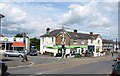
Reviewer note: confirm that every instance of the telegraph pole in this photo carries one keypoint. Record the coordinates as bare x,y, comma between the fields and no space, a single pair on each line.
116,45
1,16
63,43
24,41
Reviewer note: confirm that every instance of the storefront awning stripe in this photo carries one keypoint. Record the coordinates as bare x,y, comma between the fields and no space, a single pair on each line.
18,44
67,47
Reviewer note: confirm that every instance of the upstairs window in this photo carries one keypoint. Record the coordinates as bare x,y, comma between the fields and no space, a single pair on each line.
52,39
43,39
98,41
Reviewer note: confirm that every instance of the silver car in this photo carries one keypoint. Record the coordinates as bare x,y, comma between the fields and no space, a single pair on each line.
13,53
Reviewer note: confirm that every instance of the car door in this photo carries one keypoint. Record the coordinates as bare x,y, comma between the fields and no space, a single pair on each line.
16,53
10,53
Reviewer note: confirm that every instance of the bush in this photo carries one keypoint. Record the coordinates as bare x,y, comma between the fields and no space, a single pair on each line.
49,53
97,50
77,55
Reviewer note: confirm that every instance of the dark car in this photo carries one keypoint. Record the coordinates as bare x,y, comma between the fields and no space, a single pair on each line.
33,53
116,69
3,68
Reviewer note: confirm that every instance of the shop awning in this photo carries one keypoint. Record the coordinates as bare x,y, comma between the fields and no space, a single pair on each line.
18,44
67,47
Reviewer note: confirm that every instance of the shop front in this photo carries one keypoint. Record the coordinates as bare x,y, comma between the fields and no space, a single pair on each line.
13,43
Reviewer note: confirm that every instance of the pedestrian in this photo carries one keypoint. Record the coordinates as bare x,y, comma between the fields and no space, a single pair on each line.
112,54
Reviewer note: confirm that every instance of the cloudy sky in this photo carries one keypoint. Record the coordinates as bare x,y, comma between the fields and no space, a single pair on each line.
34,17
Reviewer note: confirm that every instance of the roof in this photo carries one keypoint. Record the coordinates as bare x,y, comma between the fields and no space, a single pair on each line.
18,44
82,35
108,41
52,33
71,34
1,35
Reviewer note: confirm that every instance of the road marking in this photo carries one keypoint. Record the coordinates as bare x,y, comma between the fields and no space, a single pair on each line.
38,73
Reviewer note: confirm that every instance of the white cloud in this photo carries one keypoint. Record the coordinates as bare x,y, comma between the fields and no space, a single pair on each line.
17,14
99,21
76,14
17,19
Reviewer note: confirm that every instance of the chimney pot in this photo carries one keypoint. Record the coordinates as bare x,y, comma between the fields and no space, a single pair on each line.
75,31
47,30
91,33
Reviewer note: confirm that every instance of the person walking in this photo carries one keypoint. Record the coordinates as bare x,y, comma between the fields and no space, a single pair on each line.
112,54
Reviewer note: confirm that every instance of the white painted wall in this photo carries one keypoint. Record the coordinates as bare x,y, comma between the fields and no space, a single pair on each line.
18,39
48,41
96,44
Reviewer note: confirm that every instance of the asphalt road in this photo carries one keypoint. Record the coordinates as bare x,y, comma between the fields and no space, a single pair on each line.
100,67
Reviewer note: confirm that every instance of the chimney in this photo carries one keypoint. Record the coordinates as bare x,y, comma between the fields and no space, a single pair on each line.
48,31
91,33
75,31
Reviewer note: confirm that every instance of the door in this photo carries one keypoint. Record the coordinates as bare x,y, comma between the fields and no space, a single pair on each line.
91,48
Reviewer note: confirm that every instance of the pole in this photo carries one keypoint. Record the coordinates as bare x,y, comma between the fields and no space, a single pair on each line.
24,41
1,16
1,35
116,44
63,43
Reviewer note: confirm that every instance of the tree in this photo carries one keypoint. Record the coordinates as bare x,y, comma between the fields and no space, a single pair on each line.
19,35
35,42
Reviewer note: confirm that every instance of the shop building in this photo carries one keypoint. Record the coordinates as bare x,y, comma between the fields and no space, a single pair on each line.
14,43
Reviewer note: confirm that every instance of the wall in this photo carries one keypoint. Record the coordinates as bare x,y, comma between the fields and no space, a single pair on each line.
18,39
59,39
46,41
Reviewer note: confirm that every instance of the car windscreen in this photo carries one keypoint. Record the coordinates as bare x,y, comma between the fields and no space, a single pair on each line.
33,51
117,67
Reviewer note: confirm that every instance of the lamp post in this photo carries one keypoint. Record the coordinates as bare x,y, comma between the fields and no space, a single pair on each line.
1,16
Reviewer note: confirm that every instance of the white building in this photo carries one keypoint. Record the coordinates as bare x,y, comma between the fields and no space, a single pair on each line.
14,43
74,42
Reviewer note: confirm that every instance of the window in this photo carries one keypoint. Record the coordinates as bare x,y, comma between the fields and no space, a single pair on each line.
43,39
98,41
74,41
52,39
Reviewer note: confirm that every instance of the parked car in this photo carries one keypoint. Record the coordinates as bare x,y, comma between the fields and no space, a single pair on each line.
33,53
116,69
13,54
3,68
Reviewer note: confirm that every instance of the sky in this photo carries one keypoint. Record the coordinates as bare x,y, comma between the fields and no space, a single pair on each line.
33,17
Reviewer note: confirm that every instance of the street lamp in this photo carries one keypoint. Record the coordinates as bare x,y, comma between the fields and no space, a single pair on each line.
1,16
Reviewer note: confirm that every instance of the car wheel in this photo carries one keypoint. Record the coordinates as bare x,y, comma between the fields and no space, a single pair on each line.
20,55
7,55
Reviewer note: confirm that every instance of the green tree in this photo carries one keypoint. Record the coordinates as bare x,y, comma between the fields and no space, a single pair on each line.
19,35
35,42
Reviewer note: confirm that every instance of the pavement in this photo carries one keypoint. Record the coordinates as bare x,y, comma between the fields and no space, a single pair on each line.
43,60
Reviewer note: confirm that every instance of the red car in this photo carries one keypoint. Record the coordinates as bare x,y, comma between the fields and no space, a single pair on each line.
116,69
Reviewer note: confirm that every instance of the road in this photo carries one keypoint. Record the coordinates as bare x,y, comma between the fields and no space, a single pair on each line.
103,67
73,67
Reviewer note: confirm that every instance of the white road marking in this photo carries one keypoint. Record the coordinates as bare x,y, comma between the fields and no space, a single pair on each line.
38,73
